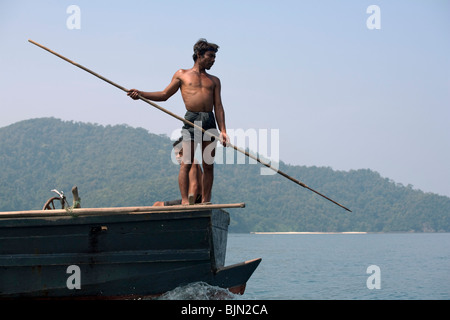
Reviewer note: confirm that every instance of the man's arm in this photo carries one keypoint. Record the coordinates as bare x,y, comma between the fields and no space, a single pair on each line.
220,112
158,95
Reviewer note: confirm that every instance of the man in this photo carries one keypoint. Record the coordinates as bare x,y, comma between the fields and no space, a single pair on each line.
195,179
201,95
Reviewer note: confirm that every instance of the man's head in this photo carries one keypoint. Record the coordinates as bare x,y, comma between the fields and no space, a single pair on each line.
202,46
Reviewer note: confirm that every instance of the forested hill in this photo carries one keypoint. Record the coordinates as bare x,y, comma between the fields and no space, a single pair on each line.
124,166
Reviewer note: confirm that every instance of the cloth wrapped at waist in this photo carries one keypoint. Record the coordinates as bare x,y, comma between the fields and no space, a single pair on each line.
205,120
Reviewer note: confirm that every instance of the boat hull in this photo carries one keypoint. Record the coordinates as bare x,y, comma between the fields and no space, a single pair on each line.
108,255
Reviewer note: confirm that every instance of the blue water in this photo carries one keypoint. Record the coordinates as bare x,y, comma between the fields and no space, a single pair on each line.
334,266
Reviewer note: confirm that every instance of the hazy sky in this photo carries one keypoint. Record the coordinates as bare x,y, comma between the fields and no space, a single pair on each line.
341,95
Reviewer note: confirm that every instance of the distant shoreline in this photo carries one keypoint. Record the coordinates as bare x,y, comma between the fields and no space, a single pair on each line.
294,232
345,232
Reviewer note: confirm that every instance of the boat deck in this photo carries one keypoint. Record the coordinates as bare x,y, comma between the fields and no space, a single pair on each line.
118,210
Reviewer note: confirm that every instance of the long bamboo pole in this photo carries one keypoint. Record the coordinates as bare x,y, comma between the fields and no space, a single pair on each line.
190,123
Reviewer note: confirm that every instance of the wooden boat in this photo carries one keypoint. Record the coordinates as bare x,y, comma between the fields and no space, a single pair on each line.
116,253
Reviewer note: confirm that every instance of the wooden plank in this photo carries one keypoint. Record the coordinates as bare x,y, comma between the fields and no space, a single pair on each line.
117,210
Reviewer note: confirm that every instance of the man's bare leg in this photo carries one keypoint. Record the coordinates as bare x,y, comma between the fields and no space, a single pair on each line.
193,185
185,167
208,154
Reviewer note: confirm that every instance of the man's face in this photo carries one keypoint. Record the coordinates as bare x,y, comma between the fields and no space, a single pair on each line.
178,154
208,59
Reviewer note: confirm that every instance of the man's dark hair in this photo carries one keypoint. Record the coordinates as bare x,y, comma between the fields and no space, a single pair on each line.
177,142
203,46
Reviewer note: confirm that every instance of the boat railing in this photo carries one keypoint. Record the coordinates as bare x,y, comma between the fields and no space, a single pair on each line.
118,210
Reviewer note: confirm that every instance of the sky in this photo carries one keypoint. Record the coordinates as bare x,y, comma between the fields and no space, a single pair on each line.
343,86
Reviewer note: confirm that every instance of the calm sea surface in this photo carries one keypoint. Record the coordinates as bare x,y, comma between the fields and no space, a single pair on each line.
334,266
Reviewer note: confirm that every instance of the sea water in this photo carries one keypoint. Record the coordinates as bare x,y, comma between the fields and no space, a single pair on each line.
385,266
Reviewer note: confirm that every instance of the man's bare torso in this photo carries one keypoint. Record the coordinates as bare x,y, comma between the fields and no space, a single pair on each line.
197,89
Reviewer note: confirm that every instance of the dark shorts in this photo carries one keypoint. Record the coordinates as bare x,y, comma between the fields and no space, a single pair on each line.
178,201
206,120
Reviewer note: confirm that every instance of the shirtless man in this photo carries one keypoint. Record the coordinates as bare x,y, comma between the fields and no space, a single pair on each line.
201,95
